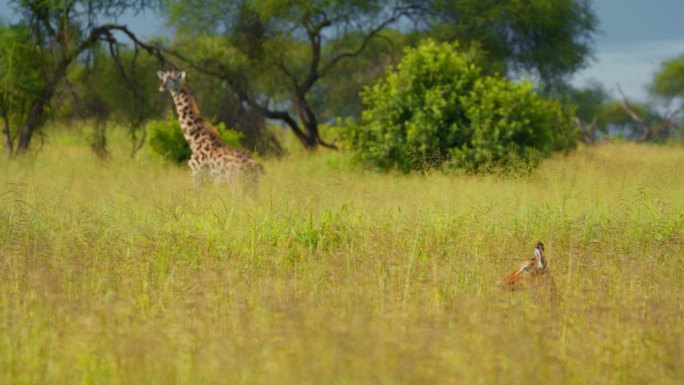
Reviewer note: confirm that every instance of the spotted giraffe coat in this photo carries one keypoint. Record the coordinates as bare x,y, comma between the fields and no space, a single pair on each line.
211,158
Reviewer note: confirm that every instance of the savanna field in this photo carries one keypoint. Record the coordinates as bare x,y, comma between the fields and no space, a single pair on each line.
120,272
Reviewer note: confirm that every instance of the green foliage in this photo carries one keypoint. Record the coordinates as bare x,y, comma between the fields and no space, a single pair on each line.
668,83
338,93
166,139
551,39
290,47
20,78
669,80
589,100
265,43
60,35
129,99
437,109
614,120
601,115
612,114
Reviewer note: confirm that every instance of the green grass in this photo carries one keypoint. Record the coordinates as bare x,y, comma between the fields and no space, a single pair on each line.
119,272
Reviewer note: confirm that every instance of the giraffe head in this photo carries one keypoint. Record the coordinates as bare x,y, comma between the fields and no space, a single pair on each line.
539,255
170,80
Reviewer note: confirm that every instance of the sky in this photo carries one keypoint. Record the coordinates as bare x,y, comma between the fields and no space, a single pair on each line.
635,37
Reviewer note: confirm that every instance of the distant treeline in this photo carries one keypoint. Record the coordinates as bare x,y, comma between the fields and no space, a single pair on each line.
295,63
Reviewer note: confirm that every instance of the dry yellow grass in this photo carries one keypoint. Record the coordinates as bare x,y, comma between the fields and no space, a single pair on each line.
122,273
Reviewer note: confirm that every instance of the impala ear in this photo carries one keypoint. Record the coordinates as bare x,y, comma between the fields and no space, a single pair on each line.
538,249
160,75
539,254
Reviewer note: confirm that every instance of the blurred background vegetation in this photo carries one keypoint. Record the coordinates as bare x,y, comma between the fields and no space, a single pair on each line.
260,67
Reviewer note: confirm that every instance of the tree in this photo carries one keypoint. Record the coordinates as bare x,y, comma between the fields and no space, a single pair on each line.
438,109
20,80
62,31
218,99
299,60
547,38
668,82
273,53
599,115
112,84
647,122
337,95
652,121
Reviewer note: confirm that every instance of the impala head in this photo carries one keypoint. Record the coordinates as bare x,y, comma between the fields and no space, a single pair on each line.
539,254
170,80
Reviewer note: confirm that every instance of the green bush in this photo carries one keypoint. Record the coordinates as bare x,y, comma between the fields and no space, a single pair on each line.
436,109
166,139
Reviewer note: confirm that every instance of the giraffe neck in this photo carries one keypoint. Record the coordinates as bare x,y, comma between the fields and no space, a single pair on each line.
189,118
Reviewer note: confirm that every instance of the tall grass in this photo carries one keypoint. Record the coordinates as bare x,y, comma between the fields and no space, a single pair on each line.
121,273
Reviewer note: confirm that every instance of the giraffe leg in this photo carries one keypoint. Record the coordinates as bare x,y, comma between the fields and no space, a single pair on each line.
199,172
198,179
238,179
251,181
218,175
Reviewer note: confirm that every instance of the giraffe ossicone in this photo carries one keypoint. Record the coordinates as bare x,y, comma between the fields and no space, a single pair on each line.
211,158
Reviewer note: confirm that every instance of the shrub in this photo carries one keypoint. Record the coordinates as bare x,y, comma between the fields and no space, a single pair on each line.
166,139
436,109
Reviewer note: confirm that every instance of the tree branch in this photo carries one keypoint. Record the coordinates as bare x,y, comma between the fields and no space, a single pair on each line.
312,76
244,96
397,13
106,29
587,131
632,114
192,64
288,74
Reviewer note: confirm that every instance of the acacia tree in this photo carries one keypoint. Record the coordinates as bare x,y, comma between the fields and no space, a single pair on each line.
278,55
275,52
600,115
668,82
550,39
62,31
653,120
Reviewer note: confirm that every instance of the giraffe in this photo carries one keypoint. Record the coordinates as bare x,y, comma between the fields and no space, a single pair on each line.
210,158
532,273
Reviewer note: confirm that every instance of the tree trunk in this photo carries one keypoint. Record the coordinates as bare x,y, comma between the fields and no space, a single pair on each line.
624,103
587,132
35,113
99,141
310,123
32,122
8,135
647,132
302,136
